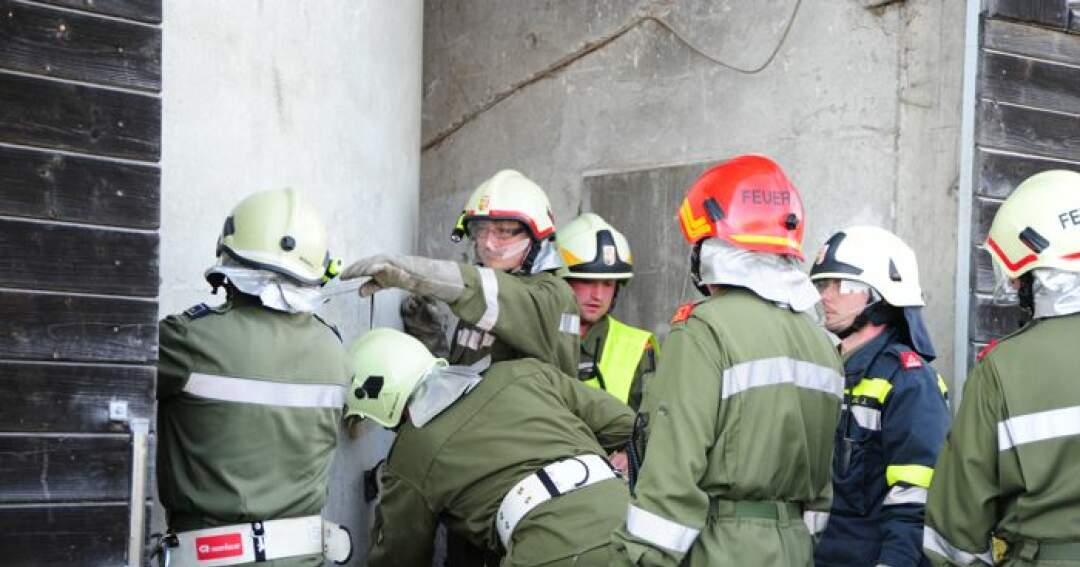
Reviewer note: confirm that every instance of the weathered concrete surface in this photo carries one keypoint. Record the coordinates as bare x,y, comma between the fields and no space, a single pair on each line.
928,157
661,262
860,105
323,97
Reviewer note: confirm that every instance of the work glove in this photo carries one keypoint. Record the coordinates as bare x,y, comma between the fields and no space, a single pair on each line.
423,320
439,279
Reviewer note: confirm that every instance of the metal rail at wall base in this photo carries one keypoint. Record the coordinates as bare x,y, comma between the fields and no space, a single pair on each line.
139,427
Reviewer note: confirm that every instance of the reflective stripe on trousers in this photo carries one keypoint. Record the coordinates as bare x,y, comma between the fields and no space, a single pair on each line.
933,541
660,531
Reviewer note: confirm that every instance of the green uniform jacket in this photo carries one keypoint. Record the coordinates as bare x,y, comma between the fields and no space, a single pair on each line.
743,407
1010,463
522,416
622,378
230,449
511,316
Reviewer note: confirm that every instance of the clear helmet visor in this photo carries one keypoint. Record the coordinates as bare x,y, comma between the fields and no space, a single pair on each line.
1005,288
840,315
489,250
498,240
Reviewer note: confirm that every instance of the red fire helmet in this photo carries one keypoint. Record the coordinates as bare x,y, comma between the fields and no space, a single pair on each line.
748,202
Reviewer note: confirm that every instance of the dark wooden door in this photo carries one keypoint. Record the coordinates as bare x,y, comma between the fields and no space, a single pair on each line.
1027,120
80,142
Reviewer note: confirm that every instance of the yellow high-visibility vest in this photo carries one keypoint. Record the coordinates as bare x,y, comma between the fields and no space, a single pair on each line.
623,348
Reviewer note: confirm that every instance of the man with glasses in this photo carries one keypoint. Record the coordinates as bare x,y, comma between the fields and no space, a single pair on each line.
895,415
510,305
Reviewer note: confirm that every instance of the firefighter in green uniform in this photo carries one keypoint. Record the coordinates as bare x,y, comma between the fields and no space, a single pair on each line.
1009,465
510,305
597,263
511,458
743,406
250,396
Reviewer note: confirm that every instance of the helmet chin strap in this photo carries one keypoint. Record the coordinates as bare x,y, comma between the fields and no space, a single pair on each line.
1026,295
878,313
695,269
615,295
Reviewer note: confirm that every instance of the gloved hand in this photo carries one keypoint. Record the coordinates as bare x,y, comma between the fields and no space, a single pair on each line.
421,318
619,462
433,278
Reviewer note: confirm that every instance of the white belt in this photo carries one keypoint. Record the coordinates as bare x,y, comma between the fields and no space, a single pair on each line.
261,541
555,479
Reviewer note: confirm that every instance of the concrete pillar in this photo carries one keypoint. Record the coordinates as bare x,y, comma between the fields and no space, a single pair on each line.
320,96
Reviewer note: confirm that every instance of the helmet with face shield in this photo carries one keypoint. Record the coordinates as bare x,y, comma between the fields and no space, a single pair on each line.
1034,243
507,217
875,261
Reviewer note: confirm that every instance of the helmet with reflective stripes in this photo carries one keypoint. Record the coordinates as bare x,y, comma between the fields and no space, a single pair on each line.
875,257
748,202
279,231
508,195
387,366
1038,225
592,249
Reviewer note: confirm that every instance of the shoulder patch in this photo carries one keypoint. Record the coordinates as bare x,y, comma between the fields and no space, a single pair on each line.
683,312
910,360
986,349
198,311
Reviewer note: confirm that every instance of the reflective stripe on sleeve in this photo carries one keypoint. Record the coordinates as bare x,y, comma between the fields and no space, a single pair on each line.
659,531
262,392
915,475
877,388
1064,422
570,323
781,370
867,418
905,495
489,284
932,541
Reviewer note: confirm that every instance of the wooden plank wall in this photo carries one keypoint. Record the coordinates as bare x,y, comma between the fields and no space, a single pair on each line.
1027,120
80,144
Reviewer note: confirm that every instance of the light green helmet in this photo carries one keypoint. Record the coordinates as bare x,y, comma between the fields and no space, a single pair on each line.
280,231
592,249
1038,225
387,367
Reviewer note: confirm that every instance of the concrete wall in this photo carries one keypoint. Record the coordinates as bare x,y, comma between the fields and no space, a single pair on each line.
321,96
861,105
